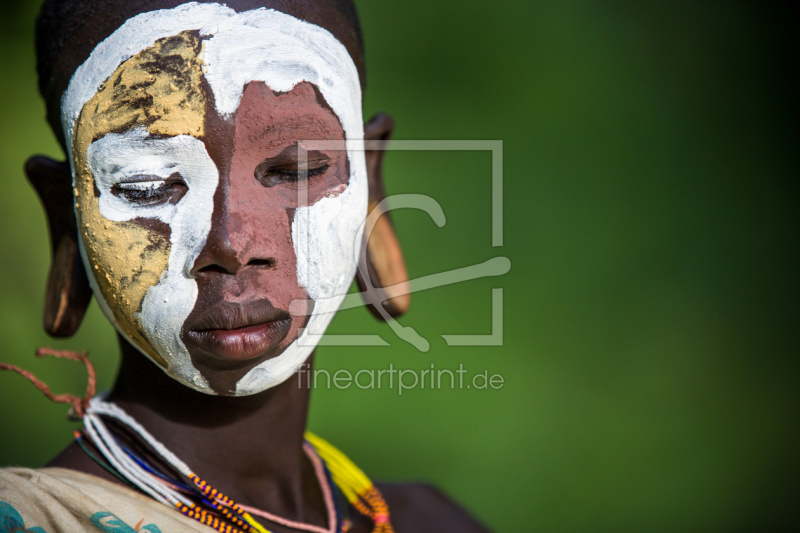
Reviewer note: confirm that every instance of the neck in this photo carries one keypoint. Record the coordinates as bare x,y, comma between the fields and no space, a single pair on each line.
249,447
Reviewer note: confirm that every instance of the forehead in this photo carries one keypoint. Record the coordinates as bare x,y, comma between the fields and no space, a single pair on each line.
159,88
264,116
229,50
162,89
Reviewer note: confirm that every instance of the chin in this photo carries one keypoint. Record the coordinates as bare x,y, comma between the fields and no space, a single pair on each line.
246,378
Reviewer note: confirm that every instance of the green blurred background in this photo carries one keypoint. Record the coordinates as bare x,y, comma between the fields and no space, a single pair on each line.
650,326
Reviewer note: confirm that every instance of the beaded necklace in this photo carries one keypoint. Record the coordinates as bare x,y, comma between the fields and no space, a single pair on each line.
199,500
320,469
216,509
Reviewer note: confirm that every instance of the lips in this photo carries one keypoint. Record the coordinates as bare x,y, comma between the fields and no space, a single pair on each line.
239,332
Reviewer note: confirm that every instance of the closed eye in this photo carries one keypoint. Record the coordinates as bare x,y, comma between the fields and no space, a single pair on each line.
270,175
151,190
284,168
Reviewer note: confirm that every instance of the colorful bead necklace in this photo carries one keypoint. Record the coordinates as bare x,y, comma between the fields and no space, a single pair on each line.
214,508
217,510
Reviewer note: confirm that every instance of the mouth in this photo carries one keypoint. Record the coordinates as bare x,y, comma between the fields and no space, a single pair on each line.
239,332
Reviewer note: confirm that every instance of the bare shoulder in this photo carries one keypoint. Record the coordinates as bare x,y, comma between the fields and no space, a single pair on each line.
421,508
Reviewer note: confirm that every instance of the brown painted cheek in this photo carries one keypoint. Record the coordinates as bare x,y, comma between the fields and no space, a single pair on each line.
260,229
249,255
260,218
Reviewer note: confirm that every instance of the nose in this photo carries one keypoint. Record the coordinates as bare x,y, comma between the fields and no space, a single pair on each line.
242,233
219,256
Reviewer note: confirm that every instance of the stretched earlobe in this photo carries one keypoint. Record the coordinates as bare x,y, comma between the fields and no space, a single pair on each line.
384,266
68,292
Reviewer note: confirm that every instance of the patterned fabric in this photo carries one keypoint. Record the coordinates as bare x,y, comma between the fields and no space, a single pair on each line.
11,521
57,500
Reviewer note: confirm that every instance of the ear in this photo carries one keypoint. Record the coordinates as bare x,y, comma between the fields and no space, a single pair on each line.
385,266
68,293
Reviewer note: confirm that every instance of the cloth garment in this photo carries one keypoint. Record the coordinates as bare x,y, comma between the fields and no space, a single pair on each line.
58,500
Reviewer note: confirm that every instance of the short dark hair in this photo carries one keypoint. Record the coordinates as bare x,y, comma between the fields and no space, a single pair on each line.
65,24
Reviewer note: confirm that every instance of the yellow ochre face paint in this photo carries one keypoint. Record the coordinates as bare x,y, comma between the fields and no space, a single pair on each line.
129,257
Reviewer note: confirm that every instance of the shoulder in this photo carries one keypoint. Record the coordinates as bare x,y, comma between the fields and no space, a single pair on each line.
53,500
33,501
421,508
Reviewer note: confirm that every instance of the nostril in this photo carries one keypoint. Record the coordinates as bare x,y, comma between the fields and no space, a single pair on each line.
214,268
268,263
234,269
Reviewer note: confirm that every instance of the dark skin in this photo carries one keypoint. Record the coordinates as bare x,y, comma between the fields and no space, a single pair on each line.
264,466
250,447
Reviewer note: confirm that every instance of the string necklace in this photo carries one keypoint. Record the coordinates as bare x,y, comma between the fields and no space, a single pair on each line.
199,500
180,487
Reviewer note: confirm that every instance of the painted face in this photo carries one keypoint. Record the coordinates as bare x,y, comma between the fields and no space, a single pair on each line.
197,229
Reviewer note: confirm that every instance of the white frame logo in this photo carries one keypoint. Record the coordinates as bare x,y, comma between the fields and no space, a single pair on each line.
497,266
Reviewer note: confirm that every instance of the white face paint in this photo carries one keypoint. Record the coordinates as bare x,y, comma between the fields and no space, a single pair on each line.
124,161
263,45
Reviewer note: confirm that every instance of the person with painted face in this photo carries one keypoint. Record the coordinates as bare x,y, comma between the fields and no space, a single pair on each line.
213,201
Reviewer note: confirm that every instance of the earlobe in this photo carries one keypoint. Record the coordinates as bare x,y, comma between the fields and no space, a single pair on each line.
384,265
68,293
